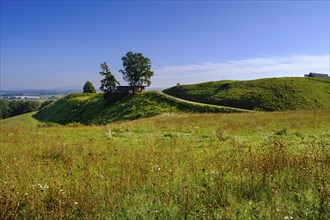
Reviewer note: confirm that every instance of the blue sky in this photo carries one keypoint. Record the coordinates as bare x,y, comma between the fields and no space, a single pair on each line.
52,44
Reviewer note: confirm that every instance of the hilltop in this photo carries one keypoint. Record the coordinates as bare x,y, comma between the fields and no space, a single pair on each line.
88,108
269,94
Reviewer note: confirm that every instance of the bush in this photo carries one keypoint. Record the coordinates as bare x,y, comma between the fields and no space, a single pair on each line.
89,88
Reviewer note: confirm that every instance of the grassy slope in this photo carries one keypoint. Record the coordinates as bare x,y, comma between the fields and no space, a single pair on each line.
24,119
267,94
272,165
93,109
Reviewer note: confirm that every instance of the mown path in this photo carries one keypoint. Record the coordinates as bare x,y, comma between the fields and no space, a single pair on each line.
198,103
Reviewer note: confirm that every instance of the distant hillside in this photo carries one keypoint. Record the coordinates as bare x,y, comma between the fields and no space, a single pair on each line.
269,94
93,109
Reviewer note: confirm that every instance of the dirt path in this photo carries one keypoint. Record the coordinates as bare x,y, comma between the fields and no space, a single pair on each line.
198,103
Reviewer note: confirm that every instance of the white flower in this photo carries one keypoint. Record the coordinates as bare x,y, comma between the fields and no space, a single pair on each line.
76,203
155,168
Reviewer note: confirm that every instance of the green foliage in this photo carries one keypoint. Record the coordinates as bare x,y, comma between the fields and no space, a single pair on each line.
94,109
17,107
263,94
89,88
264,165
46,103
108,84
4,109
136,69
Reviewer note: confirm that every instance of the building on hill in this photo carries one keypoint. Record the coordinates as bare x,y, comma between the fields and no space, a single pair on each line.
319,75
130,89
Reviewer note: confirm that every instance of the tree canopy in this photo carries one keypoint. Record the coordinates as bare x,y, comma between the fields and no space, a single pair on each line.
17,107
136,69
108,84
89,88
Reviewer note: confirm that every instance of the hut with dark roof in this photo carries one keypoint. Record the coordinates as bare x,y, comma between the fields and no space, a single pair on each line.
318,75
130,89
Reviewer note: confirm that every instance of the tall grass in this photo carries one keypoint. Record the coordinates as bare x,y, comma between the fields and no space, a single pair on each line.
189,166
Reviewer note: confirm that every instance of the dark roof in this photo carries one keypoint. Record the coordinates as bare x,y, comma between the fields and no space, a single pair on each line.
129,86
317,75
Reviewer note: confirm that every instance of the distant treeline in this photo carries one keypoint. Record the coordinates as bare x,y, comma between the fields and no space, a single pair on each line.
15,107
32,92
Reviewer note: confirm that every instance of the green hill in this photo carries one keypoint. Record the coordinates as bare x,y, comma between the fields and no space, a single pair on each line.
93,109
269,94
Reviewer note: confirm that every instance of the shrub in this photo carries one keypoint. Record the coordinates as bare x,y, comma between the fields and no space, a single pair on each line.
89,88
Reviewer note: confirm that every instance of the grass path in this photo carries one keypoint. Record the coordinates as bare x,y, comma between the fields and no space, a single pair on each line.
202,104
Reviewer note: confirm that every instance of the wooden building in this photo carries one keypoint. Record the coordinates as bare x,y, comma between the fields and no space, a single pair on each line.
130,89
319,75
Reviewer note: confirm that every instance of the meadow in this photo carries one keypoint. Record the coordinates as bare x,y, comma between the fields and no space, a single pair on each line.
257,165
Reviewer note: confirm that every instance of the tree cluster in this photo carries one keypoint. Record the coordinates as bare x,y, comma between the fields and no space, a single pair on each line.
136,71
17,107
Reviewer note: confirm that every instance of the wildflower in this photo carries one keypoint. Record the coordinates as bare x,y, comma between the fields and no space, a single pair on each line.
155,168
76,203
288,217
214,172
41,187
26,194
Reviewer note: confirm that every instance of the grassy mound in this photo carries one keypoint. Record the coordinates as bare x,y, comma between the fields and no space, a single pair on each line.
269,94
94,109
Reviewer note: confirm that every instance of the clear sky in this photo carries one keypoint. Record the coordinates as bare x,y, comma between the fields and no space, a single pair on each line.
54,44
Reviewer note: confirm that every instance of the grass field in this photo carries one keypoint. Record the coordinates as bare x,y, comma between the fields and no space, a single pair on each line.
173,166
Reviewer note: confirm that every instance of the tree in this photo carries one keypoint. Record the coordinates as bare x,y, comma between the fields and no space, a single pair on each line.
4,109
108,84
89,88
17,107
136,69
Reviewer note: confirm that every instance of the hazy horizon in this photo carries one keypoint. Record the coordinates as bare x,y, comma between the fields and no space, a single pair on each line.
56,44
